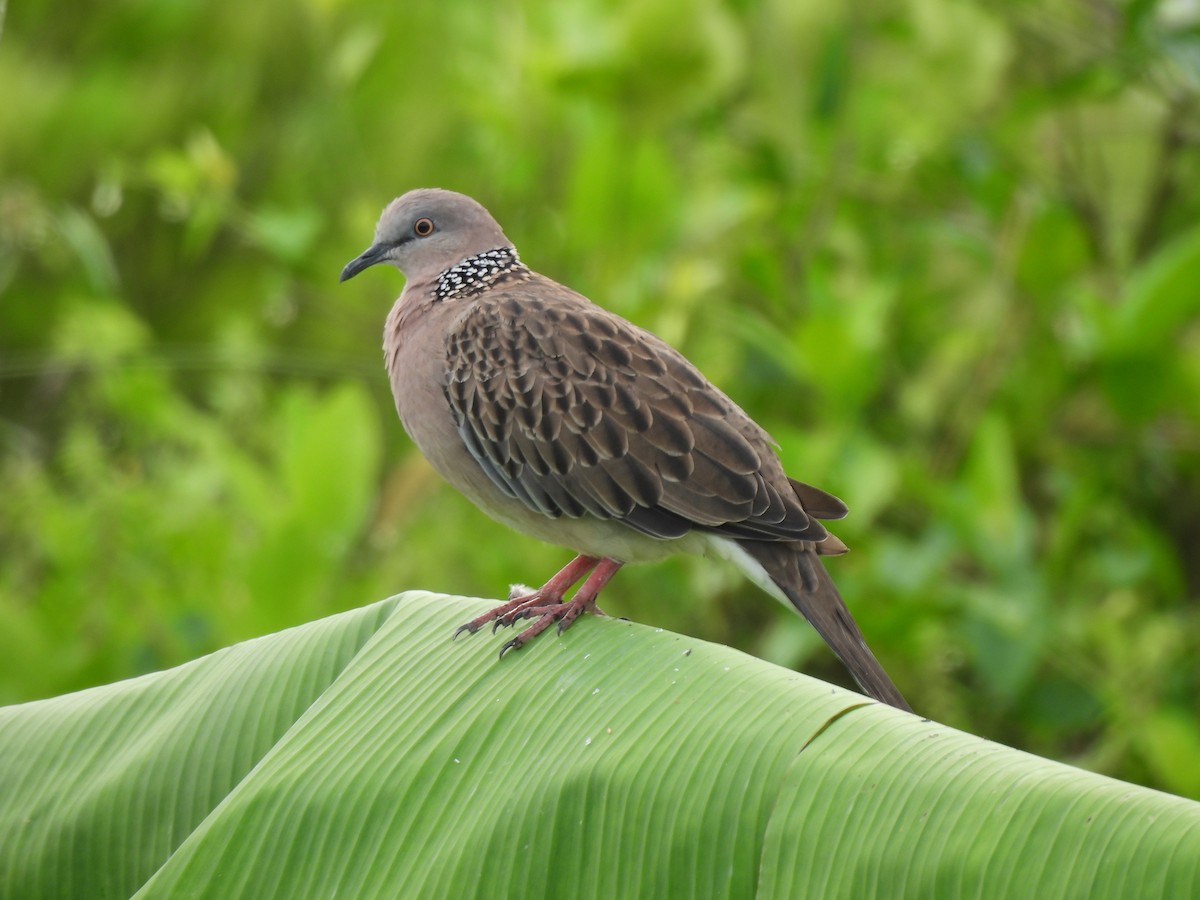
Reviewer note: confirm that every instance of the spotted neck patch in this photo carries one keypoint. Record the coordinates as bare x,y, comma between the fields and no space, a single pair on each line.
477,273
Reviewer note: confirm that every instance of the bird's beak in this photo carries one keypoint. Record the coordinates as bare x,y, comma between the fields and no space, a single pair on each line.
376,253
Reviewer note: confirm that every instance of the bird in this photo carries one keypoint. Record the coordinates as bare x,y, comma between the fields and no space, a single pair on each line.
567,423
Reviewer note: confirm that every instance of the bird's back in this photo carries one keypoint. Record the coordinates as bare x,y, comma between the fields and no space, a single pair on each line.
575,412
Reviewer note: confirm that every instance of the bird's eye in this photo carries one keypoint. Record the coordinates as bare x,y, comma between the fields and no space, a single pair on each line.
423,227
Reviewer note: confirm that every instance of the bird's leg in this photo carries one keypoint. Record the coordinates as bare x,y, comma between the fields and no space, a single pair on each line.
564,613
549,593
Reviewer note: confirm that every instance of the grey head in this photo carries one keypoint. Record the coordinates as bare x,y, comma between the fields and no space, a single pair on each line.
427,231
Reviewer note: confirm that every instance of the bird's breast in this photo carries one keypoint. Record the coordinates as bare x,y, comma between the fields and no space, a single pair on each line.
414,352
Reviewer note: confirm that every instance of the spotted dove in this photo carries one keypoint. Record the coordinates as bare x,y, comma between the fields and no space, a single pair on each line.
564,421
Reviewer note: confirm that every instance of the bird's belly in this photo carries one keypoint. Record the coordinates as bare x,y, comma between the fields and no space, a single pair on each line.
594,536
588,535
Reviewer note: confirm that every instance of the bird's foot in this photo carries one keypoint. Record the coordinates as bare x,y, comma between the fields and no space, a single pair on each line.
545,605
549,594
501,615
562,613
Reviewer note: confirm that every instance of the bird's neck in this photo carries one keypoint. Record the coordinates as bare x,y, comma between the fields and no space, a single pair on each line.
477,273
416,306
414,301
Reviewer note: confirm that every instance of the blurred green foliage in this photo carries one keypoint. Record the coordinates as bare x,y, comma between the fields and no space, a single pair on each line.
948,253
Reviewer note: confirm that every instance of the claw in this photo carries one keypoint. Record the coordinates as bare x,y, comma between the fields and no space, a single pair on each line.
546,605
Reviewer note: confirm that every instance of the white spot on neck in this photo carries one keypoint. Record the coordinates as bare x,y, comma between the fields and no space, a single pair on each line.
477,273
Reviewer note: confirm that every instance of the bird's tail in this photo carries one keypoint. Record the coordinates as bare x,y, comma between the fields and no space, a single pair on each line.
797,571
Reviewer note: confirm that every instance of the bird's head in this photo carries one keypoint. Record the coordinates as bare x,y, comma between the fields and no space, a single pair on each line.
427,231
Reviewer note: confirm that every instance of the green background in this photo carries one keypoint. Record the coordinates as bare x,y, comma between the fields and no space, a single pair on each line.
947,253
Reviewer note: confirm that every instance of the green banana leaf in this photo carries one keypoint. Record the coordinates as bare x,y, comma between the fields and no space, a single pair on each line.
368,755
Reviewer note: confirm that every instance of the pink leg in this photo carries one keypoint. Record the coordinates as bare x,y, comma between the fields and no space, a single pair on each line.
563,613
550,593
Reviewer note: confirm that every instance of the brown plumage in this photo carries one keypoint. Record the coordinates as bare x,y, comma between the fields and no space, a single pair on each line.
568,423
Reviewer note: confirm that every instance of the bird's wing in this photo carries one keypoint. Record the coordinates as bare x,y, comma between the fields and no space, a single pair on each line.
574,411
